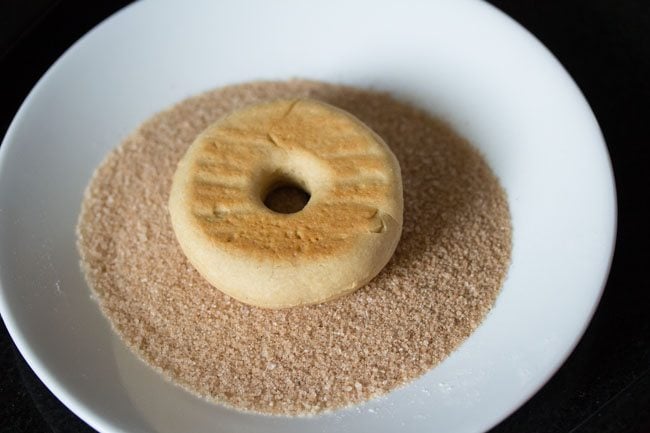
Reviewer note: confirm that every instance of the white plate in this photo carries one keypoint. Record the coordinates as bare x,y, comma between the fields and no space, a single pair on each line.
462,60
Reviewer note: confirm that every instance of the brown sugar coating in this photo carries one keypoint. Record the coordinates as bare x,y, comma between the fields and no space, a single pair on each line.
441,282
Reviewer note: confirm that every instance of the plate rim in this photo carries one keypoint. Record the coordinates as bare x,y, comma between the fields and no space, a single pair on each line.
98,422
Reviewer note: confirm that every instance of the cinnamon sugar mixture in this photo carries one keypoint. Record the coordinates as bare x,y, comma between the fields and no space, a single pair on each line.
443,279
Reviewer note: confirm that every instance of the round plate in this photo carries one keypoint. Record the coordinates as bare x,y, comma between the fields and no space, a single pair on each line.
463,61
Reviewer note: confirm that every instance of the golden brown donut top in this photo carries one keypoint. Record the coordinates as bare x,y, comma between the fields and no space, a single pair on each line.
351,174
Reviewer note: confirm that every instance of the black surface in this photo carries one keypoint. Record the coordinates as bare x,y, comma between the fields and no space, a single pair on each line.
605,45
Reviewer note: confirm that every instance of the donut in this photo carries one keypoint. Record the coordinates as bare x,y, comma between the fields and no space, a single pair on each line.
342,238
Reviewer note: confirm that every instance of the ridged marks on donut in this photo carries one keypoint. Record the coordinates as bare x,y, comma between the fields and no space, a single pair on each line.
219,214
350,218
205,197
348,154
347,209
333,144
323,232
208,170
358,165
235,137
214,181
308,126
220,177
359,191
237,155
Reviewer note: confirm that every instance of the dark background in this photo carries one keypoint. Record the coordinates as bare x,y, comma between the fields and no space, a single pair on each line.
605,45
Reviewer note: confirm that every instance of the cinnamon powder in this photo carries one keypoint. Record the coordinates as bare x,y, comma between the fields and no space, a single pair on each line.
442,280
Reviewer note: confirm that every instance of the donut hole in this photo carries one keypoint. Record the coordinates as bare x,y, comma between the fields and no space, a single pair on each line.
286,196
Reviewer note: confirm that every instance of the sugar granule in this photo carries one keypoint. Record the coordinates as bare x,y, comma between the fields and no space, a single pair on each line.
441,282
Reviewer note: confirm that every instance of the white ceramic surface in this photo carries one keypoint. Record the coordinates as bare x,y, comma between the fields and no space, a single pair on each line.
462,60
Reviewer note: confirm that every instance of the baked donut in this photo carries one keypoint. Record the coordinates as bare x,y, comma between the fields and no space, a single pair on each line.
340,240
